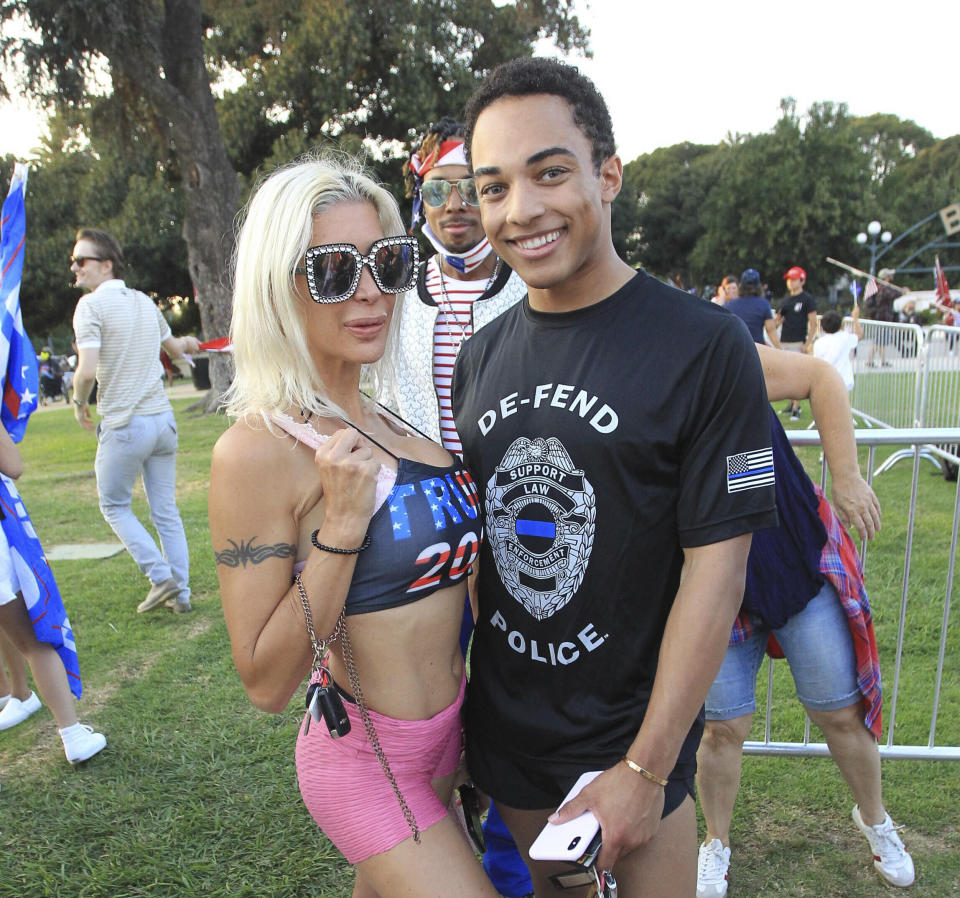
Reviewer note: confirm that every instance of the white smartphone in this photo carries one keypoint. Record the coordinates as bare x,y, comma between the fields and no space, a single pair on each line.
568,841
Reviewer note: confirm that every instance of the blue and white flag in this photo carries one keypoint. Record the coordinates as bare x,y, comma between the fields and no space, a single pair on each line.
36,582
18,361
749,470
855,290
19,384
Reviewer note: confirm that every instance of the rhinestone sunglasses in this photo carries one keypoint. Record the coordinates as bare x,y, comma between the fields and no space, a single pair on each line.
333,270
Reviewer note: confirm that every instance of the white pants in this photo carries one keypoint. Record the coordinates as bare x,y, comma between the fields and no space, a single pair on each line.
147,447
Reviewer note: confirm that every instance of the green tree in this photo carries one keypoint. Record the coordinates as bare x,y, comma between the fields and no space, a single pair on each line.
119,186
790,197
918,188
310,71
889,141
154,54
667,188
379,71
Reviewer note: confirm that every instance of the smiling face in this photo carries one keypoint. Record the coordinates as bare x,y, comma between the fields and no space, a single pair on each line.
456,224
544,207
345,335
94,270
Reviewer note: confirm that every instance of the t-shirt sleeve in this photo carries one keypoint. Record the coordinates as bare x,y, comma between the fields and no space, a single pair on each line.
726,472
86,325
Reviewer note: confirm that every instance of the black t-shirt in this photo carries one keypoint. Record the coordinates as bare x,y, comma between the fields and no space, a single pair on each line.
602,441
795,310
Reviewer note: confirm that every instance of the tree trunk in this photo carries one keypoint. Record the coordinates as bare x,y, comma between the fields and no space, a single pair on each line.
178,87
210,185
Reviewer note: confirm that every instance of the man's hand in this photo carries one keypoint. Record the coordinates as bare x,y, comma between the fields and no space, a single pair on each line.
83,416
856,505
627,806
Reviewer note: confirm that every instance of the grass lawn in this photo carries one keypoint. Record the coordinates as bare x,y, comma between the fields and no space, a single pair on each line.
196,793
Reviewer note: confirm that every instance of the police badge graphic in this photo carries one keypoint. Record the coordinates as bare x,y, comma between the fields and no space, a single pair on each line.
541,514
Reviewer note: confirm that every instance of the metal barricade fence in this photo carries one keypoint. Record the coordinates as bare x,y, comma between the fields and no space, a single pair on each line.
940,393
932,750
888,373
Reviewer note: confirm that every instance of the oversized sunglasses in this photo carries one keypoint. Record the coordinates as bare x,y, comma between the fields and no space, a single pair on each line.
436,191
333,269
80,261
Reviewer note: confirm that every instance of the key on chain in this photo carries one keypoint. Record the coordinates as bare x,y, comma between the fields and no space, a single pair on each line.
323,701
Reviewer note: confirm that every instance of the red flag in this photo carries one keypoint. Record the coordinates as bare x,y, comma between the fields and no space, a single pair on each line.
220,344
943,288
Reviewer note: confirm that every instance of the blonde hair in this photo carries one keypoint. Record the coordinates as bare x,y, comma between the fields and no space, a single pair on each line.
275,370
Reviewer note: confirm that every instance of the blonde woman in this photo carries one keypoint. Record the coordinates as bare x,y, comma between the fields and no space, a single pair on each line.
343,539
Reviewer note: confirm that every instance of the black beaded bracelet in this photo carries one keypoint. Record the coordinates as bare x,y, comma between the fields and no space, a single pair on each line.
337,551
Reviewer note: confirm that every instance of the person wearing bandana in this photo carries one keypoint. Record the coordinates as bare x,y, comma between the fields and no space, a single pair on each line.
460,289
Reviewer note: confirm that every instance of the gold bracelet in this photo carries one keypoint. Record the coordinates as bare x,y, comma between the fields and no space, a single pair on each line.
646,774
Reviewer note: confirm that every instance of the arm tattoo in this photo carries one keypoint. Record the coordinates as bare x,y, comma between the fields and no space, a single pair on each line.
243,552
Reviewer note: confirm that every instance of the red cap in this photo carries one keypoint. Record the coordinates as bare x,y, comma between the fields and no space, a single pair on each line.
795,273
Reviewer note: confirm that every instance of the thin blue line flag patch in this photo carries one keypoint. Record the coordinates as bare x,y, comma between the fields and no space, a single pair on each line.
750,470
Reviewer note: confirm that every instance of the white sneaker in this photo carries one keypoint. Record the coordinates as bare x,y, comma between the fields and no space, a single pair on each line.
4,699
81,742
892,860
713,862
16,711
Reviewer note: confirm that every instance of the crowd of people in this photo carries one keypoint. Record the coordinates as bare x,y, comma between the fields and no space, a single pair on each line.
501,453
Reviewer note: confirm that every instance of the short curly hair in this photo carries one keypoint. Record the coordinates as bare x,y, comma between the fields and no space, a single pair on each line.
436,134
527,76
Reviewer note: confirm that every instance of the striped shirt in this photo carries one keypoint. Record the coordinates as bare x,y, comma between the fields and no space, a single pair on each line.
127,329
454,324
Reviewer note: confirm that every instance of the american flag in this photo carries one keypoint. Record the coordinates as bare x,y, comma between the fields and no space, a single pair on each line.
870,289
20,385
749,470
943,288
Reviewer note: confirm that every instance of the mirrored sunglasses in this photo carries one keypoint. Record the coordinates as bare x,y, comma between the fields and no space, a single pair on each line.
436,191
333,269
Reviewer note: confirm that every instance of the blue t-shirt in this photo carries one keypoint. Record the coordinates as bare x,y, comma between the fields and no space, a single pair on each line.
753,311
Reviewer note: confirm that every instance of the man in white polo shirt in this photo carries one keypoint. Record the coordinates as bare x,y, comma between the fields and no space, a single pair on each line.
119,333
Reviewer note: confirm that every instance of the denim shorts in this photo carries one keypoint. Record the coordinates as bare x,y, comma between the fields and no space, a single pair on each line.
819,649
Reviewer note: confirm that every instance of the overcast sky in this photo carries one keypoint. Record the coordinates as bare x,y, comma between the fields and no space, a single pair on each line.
699,69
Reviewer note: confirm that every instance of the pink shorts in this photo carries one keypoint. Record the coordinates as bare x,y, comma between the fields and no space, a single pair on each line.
347,792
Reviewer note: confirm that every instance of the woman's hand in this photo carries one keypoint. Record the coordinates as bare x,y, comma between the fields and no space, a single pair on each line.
348,473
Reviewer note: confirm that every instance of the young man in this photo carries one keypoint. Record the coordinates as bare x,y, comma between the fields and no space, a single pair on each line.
622,481
797,317
119,333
